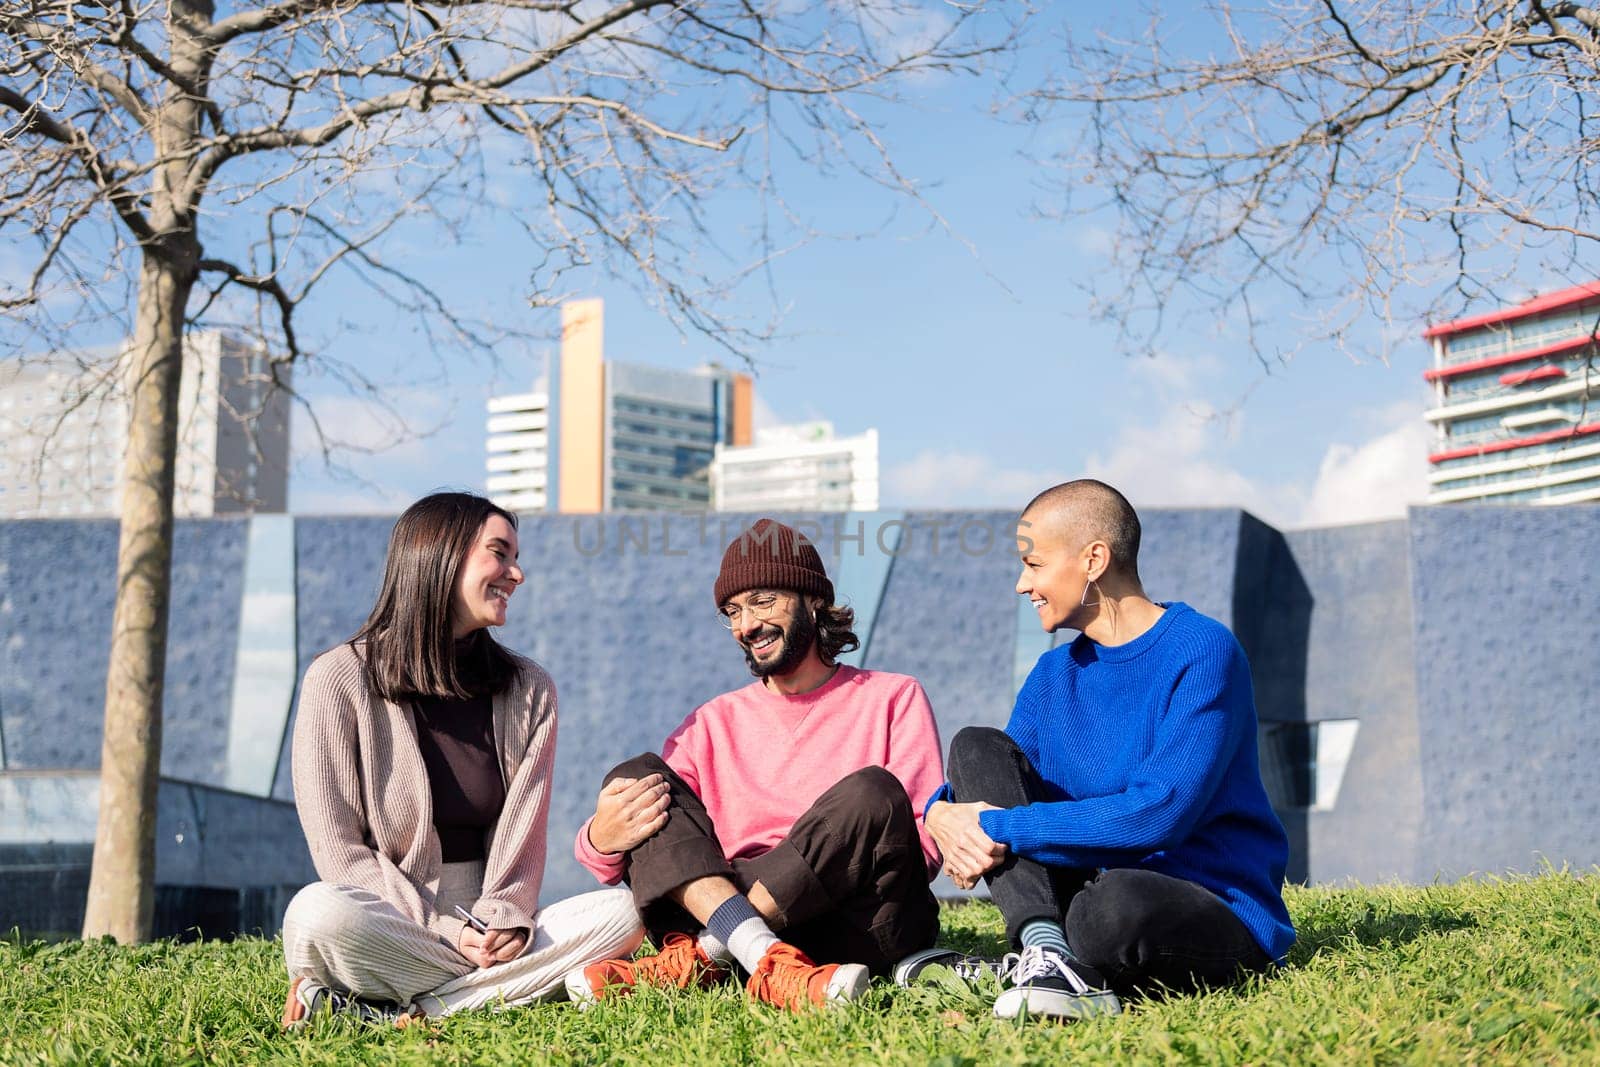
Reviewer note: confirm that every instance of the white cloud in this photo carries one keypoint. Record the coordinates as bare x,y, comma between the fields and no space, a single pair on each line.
1373,480
1180,459
382,460
1092,240
357,500
1173,462
938,478
899,30
398,427
1176,377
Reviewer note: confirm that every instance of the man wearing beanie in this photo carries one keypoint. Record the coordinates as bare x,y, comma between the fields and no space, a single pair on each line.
779,828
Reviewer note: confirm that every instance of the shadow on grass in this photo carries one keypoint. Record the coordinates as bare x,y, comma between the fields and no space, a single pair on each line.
1373,929
974,931
973,927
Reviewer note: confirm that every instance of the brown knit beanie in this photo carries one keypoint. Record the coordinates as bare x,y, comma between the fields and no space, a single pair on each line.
771,555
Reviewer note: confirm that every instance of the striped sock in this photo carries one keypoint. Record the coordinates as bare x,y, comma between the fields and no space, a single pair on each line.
1045,934
737,924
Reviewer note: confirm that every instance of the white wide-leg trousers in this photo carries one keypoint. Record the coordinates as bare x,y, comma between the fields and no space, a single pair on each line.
353,940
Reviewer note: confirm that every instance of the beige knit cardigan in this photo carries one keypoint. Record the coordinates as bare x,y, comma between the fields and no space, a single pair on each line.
361,789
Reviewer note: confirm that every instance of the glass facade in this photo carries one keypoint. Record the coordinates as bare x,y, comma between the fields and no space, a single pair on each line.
1538,375
799,468
1524,430
1533,332
1559,477
662,428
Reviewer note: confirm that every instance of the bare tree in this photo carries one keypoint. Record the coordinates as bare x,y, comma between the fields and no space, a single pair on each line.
1334,162
170,165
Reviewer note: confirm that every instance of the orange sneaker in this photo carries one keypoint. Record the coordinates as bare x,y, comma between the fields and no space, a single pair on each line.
681,963
786,978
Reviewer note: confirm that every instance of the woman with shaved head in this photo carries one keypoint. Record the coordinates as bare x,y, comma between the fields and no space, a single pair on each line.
1119,819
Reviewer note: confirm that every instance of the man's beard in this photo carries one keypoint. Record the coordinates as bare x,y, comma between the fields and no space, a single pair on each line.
792,648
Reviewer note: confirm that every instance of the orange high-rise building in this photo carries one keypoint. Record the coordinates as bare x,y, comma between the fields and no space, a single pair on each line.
636,436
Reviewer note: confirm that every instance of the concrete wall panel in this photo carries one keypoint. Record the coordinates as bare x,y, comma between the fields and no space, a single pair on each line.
208,563
1462,641
949,614
1507,614
1192,555
57,589
339,567
1358,664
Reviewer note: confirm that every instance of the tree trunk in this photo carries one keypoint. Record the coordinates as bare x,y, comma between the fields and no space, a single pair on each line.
122,879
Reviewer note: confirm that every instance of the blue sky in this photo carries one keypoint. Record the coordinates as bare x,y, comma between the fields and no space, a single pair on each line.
971,350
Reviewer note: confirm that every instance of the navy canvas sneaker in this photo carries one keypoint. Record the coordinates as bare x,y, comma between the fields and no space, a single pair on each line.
1045,983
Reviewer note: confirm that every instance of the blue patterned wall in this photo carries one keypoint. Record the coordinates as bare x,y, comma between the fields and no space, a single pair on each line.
1352,648
57,591
1507,611
1462,641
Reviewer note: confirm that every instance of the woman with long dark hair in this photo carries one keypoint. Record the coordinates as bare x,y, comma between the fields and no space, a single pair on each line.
423,756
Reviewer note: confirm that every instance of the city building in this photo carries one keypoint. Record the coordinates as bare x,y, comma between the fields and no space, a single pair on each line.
519,450
797,468
64,428
1515,395
632,436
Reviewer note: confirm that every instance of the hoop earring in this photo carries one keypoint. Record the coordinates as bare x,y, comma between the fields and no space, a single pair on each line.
1083,601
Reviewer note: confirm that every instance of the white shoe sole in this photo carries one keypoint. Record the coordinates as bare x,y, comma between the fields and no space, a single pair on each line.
1055,1004
907,969
579,990
847,983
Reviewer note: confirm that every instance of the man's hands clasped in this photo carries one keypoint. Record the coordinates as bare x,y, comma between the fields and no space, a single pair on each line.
628,812
969,853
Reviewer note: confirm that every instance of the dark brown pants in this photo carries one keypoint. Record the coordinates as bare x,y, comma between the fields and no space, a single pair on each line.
850,880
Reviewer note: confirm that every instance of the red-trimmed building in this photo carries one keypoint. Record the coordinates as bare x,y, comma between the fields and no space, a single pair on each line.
1517,403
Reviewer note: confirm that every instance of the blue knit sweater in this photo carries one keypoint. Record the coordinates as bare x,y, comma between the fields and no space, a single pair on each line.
1150,748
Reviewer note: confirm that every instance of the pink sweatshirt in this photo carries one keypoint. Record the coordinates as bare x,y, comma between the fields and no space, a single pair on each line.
759,759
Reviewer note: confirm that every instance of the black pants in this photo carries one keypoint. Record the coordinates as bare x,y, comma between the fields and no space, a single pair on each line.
1138,928
850,880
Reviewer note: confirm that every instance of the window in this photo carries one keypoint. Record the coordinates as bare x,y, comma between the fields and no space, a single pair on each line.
1303,763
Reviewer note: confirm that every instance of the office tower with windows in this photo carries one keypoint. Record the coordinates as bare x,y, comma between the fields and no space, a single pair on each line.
64,428
798,468
1515,393
519,450
634,436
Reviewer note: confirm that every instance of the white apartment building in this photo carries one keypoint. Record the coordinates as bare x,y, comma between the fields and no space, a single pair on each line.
519,450
797,468
1516,408
64,428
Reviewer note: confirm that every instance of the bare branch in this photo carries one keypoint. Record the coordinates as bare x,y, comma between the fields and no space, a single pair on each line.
1276,149
31,118
92,74
275,15
261,284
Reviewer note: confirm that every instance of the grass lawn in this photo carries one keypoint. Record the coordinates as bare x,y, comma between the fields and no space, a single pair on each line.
1485,972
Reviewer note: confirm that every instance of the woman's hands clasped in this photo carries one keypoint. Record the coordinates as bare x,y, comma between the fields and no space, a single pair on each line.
628,812
492,946
968,852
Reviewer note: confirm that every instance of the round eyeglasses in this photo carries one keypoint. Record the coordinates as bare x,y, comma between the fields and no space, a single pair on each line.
760,606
